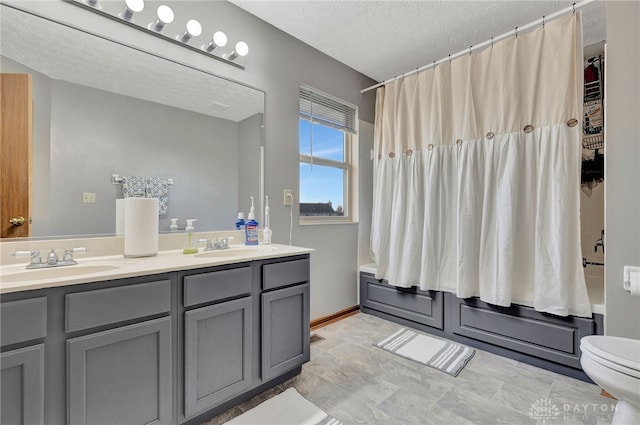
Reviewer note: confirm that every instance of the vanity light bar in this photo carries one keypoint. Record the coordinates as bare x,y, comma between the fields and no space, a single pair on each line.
162,19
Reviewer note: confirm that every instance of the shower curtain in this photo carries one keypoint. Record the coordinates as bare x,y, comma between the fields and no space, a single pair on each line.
477,174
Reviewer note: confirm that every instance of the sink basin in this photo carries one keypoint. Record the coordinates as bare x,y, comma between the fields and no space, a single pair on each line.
237,252
53,273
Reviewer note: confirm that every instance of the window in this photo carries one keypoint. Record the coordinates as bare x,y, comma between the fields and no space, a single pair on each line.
327,125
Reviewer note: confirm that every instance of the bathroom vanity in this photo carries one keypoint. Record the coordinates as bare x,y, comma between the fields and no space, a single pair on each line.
519,332
171,339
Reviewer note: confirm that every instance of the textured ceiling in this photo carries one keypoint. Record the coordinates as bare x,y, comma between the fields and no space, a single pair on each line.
70,55
382,39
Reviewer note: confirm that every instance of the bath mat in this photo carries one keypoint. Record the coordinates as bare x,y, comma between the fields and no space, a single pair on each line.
446,356
287,408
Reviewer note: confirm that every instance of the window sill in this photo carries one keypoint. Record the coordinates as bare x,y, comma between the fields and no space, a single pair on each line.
324,222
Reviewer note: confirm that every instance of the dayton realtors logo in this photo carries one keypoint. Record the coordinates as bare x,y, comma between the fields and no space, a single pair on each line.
543,411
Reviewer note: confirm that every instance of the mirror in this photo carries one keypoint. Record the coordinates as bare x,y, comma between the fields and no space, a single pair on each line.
102,108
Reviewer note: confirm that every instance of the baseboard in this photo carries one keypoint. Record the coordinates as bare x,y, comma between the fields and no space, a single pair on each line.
332,318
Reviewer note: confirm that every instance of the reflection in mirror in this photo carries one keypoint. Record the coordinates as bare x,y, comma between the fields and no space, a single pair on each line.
102,108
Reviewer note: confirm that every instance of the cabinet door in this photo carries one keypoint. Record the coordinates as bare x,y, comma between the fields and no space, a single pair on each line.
121,376
22,386
285,330
217,353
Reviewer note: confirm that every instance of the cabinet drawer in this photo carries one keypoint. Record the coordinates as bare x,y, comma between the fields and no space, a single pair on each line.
286,273
100,307
23,320
213,286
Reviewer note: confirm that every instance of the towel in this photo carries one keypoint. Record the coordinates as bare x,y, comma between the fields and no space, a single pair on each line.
158,187
148,187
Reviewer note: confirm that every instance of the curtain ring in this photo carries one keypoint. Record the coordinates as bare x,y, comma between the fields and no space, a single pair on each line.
528,128
516,30
430,146
470,49
409,152
392,155
492,42
572,122
490,135
459,142
574,8
449,58
542,21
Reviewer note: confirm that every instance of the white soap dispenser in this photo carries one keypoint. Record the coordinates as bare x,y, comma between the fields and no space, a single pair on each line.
174,225
267,232
190,242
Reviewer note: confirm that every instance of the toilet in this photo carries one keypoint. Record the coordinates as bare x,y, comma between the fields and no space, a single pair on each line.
613,363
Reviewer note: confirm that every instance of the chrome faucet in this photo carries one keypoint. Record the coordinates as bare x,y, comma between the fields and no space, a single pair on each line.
52,258
599,242
216,244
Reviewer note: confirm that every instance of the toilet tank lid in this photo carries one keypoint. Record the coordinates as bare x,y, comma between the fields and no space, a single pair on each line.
623,351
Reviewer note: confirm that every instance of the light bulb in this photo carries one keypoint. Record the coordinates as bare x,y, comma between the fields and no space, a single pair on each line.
241,49
219,40
194,29
165,16
131,7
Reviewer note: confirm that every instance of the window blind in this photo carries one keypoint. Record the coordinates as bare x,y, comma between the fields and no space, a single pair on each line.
322,108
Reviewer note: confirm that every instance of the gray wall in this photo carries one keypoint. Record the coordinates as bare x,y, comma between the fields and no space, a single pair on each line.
622,173
277,64
95,134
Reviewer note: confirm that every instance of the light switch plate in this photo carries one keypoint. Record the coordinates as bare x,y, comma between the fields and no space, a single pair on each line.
88,197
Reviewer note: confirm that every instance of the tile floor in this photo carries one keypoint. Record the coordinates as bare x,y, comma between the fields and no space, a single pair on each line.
358,383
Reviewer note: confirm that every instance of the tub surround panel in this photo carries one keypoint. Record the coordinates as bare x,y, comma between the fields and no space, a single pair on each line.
518,332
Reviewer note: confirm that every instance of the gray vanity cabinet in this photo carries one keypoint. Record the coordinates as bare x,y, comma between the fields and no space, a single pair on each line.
285,317
218,342
217,353
22,386
122,374
23,328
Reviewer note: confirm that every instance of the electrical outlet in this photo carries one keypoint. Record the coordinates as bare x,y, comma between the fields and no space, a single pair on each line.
88,197
288,197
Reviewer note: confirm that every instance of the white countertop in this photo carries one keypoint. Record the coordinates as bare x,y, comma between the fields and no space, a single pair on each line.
15,277
595,291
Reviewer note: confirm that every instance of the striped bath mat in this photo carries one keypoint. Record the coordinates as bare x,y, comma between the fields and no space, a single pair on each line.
446,356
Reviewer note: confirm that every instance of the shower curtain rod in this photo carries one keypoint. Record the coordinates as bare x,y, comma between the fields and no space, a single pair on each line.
515,31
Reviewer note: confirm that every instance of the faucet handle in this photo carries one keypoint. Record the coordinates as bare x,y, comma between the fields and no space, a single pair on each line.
34,255
209,246
68,253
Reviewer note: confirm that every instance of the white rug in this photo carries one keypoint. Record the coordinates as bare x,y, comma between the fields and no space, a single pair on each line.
287,408
446,356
